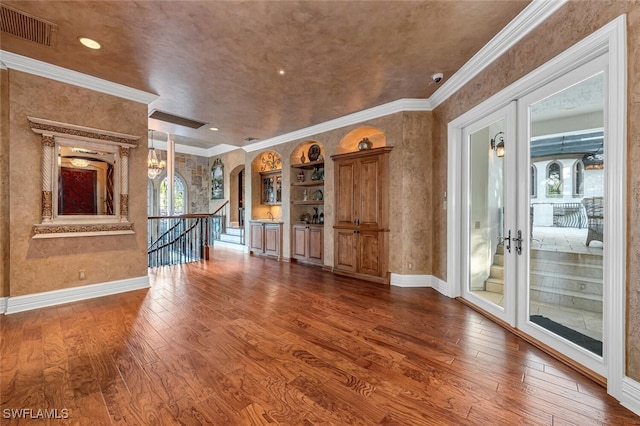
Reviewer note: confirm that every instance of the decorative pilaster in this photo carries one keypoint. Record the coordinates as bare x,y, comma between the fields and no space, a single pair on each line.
124,184
48,146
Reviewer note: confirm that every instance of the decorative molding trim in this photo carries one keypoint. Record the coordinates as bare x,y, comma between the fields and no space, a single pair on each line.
631,394
82,230
532,16
400,105
3,304
48,128
32,66
74,294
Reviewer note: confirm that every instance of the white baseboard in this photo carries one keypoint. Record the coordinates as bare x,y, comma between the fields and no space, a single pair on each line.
3,304
73,294
631,395
436,283
400,280
441,286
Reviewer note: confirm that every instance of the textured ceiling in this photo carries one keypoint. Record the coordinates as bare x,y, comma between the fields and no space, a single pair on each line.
217,61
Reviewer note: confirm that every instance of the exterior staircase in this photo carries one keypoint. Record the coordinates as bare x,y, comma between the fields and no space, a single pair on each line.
566,279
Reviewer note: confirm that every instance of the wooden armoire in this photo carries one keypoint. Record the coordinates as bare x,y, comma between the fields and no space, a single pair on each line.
361,224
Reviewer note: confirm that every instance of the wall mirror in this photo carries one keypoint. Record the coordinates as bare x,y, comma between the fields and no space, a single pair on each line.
86,177
85,180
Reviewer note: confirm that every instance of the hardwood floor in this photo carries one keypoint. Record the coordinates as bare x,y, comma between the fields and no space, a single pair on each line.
243,340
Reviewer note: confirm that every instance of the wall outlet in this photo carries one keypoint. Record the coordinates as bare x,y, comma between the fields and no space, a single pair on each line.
82,275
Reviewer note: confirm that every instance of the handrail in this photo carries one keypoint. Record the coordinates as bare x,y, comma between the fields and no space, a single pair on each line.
183,216
186,231
220,208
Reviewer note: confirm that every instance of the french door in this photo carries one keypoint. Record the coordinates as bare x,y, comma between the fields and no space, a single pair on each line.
489,217
533,214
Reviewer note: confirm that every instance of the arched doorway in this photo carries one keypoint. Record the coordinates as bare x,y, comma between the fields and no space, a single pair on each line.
236,196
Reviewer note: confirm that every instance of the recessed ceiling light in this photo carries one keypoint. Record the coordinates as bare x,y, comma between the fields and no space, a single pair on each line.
215,129
281,71
91,44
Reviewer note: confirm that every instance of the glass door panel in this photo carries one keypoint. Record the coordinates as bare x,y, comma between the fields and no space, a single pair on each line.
489,274
566,205
486,255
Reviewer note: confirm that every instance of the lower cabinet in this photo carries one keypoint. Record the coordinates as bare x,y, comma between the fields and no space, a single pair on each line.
307,243
361,254
266,239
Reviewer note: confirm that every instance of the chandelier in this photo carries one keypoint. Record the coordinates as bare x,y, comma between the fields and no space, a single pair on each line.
154,167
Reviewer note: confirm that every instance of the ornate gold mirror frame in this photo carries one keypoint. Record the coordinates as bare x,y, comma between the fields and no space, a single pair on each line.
52,225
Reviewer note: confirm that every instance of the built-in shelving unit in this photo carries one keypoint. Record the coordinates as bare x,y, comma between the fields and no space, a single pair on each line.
307,203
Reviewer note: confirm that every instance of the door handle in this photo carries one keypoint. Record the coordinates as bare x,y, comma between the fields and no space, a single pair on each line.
507,239
518,242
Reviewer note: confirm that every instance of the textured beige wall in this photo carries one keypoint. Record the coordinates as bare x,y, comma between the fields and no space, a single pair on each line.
4,183
572,23
410,191
50,264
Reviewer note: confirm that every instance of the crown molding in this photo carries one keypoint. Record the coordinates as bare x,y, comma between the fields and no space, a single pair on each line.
532,16
32,66
192,150
357,117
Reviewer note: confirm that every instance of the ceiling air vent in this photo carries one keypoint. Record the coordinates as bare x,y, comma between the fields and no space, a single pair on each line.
28,27
180,121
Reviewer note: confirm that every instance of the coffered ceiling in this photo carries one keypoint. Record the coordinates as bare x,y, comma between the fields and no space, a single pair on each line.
218,62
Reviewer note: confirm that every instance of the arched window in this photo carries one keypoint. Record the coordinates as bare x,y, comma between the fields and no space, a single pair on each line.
150,193
179,196
578,179
534,182
554,180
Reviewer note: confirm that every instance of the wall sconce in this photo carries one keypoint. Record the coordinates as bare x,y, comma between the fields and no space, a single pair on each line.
497,145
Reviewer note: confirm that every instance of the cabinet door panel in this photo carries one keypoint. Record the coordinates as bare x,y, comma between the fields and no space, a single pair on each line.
369,250
345,250
315,244
256,237
369,202
299,242
345,192
271,240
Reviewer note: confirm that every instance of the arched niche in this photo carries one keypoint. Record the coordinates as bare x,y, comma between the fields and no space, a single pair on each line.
303,151
307,183
349,143
266,186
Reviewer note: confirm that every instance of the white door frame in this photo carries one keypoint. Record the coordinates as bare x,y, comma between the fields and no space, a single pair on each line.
610,40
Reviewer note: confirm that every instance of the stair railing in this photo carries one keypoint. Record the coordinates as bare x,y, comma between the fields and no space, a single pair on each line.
177,239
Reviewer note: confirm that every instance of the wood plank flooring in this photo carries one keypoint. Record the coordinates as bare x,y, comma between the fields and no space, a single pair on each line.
240,340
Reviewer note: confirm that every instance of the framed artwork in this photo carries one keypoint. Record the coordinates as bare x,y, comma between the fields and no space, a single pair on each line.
217,180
